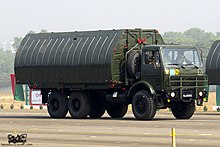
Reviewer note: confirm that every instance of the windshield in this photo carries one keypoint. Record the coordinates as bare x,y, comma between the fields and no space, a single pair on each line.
187,56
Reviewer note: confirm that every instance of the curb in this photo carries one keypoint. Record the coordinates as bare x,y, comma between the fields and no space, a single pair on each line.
22,107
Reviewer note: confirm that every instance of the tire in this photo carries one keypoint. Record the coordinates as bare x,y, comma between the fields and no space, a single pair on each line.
183,110
57,105
97,111
117,111
78,105
133,64
143,106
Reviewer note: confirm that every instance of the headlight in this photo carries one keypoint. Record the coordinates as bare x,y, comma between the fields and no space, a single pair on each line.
200,93
166,71
172,94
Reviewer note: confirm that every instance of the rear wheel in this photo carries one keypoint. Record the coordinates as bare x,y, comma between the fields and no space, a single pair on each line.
78,105
183,110
143,106
57,105
117,111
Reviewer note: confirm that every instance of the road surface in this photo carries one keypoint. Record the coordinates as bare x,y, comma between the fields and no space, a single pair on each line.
202,130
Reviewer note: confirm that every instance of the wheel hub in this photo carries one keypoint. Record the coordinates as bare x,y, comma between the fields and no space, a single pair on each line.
76,105
141,106
55,105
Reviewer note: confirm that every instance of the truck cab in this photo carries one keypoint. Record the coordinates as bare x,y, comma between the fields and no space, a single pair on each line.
174,78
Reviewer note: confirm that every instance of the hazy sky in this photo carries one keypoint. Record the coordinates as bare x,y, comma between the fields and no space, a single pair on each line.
17,17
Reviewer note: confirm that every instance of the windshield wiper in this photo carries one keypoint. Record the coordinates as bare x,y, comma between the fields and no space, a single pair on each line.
192,64
177,65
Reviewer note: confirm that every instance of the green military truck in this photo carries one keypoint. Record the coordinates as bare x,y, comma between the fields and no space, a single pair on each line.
90,72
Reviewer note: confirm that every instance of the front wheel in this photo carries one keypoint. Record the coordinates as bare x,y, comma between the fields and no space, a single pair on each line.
183,110
143,106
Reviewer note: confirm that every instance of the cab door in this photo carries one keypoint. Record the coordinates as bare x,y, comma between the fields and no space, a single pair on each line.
151,68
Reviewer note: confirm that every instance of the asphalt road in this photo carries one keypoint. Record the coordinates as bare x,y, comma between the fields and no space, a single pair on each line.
203,130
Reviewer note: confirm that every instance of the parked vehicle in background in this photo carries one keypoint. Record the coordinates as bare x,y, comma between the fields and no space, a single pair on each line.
213,64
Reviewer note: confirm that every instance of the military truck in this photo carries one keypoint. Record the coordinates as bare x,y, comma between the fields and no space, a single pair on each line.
90,72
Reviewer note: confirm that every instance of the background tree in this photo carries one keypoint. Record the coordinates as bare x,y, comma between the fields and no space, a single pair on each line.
17,41
6,67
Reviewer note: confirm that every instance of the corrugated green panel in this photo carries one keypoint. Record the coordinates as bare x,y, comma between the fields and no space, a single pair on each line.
72,57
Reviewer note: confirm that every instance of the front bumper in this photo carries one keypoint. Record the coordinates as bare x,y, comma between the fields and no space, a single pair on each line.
187,88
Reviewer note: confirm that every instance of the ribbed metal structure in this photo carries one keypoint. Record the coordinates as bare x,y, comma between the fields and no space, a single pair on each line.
213,64
71,57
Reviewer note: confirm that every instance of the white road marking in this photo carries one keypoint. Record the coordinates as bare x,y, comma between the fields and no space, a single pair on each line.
205,134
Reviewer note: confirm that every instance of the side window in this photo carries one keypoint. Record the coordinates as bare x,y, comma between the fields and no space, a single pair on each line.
149,58
152,57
